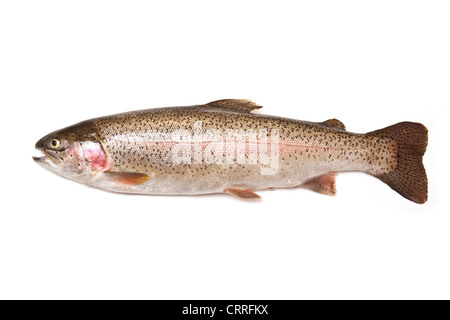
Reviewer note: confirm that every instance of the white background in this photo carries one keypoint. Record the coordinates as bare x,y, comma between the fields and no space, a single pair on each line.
368,63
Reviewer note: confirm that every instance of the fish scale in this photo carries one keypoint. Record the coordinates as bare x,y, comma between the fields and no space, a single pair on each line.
189,150
300,141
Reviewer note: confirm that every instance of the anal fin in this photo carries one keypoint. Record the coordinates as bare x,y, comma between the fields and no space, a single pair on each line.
242,193
325,184
128,178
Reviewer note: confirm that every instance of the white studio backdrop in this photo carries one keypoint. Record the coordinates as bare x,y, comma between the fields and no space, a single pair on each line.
368,63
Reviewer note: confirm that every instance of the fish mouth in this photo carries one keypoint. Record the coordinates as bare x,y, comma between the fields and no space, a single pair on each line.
40,159
48,157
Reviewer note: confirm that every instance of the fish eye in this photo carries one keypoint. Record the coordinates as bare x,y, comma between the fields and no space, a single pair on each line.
55,143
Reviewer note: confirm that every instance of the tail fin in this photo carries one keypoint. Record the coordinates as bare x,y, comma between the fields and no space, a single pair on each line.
409,178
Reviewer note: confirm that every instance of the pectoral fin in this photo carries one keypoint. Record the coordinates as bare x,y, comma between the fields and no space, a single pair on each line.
128,178
242,193
325,184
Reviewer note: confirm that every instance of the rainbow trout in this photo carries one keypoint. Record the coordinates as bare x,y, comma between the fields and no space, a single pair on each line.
222,147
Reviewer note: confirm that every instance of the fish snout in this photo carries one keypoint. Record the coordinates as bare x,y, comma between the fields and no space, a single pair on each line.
46,156
40,146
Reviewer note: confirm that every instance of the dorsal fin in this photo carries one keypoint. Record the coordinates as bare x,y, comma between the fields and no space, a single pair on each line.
237,105
334,123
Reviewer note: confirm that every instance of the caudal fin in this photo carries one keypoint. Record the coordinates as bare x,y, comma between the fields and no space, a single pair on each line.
409,178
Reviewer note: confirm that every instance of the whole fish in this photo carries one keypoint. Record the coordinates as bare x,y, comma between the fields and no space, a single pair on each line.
222,147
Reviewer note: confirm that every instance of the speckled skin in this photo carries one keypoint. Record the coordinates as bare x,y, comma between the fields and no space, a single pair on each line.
142,142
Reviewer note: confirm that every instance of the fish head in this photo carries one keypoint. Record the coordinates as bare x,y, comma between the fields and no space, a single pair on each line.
74,152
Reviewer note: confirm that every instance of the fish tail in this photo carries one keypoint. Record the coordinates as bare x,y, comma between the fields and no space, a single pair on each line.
409,177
